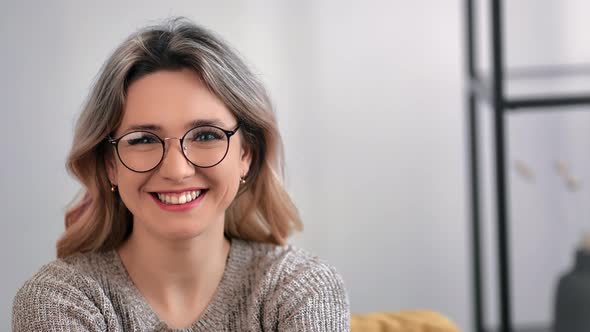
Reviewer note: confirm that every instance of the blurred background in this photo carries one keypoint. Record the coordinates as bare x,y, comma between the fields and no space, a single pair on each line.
370,98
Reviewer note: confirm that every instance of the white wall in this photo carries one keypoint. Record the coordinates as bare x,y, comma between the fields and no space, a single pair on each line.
389,163
369,102
369,96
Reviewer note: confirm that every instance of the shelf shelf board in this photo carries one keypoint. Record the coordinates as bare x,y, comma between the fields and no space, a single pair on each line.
530,88
523,103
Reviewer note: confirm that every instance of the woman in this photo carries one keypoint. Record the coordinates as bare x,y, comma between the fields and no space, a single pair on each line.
184,218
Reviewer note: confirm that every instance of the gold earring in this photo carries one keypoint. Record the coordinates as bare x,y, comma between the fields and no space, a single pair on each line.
113,188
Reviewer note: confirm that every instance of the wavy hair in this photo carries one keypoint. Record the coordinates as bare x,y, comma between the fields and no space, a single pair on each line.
97,220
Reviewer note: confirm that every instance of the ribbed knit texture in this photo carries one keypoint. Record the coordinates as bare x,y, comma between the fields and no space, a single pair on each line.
264,288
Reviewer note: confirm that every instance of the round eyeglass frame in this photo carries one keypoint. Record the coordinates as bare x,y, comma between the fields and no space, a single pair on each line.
228,134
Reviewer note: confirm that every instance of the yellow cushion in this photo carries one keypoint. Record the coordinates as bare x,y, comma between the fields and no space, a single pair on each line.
402,321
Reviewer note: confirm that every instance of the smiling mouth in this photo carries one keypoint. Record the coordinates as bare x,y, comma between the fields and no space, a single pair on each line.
179,198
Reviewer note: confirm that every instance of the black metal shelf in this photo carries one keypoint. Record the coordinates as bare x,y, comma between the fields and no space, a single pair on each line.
533,99
525,103
497,91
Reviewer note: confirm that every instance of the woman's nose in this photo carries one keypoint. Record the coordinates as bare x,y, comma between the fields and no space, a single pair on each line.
175,166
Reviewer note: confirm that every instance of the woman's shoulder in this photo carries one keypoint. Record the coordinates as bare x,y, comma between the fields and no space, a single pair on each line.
285,257
76,276
297,290
288,266
61,288
73,269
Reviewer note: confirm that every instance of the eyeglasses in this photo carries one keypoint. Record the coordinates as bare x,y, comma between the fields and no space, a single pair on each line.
203,146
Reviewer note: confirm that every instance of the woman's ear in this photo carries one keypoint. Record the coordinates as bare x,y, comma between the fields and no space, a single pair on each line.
111,168
245,159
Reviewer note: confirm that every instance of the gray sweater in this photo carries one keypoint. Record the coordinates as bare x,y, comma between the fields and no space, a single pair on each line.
263,288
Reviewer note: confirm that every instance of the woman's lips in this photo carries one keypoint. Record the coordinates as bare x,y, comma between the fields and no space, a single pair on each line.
179,198
178,191
181,201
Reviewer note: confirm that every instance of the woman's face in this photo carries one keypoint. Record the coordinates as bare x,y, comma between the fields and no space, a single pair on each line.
169,103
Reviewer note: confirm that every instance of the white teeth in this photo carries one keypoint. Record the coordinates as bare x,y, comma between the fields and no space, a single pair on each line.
183,198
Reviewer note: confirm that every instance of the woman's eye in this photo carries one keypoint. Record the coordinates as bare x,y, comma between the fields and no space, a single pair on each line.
206,136
142,140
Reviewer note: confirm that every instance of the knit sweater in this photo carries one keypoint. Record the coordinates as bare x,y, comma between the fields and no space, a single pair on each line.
264,288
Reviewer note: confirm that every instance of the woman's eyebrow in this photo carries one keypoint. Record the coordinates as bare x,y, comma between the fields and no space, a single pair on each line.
146,126
192,124
205,122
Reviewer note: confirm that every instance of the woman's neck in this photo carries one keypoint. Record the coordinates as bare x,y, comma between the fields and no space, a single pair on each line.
178,275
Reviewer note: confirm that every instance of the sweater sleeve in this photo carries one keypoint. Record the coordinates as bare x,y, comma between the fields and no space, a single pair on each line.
52,303
314,299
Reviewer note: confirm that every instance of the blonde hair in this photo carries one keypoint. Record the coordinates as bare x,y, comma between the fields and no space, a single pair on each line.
262,211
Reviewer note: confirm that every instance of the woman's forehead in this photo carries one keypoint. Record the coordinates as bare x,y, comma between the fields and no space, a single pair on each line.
172,100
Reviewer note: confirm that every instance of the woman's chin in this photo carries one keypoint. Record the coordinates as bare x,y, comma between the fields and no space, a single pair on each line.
183,232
